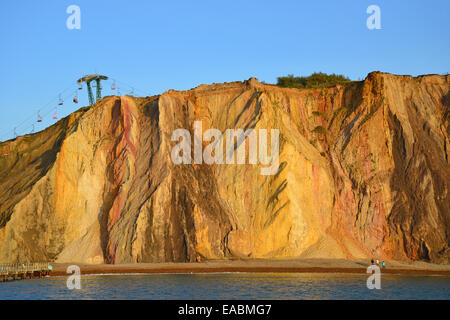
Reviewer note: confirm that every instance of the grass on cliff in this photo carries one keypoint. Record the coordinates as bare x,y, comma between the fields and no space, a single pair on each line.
316,80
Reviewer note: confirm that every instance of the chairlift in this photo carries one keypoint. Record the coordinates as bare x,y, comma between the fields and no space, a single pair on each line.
39,118
55,115
60,100
80,87
75,99
113,87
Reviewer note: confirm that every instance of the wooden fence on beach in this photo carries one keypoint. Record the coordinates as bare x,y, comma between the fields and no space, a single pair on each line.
20,271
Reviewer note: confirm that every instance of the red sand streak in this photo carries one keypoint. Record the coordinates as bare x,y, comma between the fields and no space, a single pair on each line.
127,126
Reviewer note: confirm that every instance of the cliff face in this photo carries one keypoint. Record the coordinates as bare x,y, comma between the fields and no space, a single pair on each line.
363,172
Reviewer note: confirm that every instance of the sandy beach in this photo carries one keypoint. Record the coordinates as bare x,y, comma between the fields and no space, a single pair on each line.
258,266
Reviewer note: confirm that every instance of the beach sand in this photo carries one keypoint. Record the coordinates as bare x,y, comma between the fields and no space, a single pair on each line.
258,266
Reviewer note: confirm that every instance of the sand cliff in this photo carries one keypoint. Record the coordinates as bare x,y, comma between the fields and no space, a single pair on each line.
364,172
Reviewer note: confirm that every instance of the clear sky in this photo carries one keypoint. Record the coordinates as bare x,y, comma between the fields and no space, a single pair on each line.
155,46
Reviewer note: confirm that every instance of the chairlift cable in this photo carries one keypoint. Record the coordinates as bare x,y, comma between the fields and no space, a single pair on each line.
60,100
30,118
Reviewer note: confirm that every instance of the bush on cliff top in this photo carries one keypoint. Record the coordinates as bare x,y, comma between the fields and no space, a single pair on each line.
316,80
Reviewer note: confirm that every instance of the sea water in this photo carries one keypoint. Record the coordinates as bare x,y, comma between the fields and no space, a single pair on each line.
230,286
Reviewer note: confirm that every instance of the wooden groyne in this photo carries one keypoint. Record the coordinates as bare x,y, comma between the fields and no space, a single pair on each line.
20,271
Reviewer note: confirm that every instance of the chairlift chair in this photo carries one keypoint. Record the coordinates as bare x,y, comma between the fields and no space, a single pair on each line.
55,115
39,118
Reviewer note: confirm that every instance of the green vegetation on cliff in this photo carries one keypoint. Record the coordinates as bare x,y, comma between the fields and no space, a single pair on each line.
316,80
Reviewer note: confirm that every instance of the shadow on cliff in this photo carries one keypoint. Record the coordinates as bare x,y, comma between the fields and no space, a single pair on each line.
36,168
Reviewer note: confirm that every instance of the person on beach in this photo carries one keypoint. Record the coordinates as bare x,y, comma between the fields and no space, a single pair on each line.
383,264
378,262
371,261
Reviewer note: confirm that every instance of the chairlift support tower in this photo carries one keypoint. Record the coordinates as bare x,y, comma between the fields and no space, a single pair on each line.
88,79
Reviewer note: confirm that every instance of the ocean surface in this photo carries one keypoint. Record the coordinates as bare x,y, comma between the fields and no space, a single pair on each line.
230,286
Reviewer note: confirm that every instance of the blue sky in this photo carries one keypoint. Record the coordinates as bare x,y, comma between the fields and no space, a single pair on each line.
155,46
